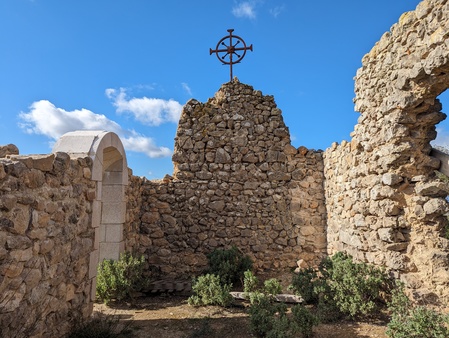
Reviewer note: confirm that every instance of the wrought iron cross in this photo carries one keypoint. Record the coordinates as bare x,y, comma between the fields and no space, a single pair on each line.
228,46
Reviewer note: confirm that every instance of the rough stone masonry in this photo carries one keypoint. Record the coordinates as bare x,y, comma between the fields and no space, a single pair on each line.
385,204
238,181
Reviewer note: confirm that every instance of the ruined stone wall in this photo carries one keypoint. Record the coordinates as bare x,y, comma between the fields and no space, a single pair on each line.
237,181
384,202
131,229
45,243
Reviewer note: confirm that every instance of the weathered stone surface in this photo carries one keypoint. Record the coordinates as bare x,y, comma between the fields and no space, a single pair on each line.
9,149
238,181
388,171
40,220
233,183
435,189
391,179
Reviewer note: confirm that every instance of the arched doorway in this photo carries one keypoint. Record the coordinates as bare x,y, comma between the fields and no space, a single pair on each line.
110,174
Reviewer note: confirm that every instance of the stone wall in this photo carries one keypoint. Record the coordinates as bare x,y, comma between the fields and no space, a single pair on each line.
45,243
384,202
237,181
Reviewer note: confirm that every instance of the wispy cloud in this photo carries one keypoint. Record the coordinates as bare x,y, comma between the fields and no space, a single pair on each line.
245,9
150,111
276,11
46,119
186,87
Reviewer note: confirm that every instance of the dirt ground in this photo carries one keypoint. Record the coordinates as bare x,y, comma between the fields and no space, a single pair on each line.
169,316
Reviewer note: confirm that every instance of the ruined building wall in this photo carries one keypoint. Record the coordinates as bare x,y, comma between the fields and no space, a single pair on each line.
46,239
237,181
384,203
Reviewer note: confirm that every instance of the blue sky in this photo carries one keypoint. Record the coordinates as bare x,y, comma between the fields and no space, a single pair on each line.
129,66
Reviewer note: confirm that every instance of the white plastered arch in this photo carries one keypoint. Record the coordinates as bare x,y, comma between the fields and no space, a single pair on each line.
110,172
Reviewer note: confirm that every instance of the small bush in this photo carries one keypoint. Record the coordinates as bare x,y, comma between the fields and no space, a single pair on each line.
250,282
117,280
341,286
408,321
270,319
272,287
304,320
304,283
208,290
264,314
102,326
229,265
357,286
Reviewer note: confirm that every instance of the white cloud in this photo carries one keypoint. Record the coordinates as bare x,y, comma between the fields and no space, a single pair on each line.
139,143
186,87
277,10
150,111
245,9
46,119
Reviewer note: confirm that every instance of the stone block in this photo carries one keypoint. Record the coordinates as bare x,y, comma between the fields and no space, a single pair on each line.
113,212
111,250
113,232
99,189
112,178
97,238
435,206
391,179
113,193
101,233
433,189
96,213
94,260
93,290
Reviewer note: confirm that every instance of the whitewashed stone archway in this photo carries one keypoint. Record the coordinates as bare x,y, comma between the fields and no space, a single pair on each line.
110,173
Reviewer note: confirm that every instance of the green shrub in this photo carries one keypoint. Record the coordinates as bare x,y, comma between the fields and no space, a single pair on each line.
255,297
341,286
314,287
250,282
272,287
304,283
357,287
270,319
208,290
101,326
117,280
408,321
327,311
304,320
264,314
229,264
